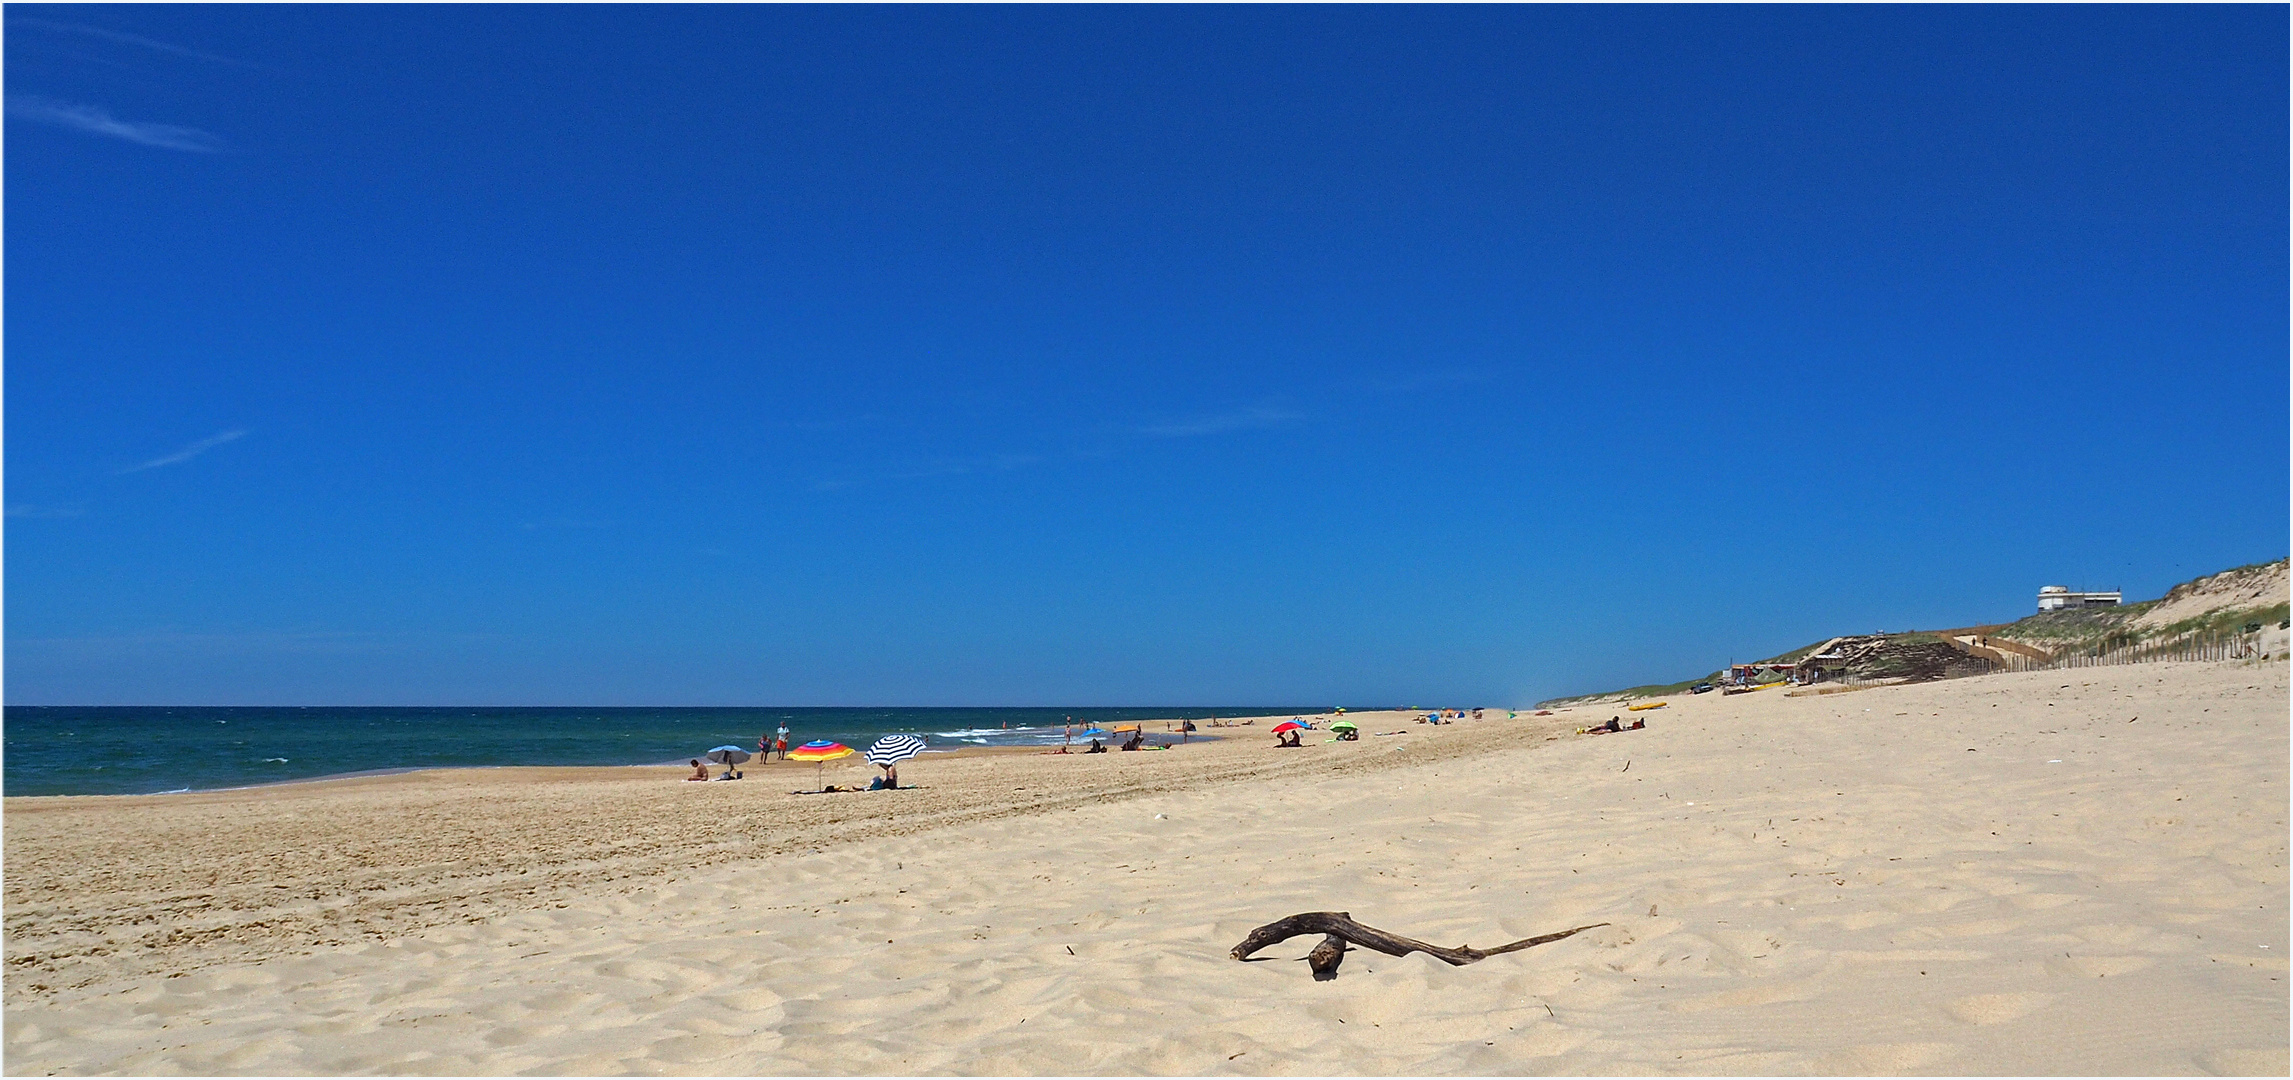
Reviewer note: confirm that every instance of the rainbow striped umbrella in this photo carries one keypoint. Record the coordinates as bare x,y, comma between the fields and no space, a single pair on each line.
820,752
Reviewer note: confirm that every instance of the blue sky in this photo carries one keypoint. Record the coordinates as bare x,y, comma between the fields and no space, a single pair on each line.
1153,355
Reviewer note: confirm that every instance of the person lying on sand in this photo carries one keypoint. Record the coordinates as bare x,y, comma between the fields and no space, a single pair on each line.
700,771
1137,739
1615,724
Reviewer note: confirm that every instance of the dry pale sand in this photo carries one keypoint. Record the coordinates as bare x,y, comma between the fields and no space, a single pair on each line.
2032,873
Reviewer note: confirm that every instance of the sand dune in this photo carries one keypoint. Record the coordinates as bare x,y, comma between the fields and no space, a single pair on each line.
2031,873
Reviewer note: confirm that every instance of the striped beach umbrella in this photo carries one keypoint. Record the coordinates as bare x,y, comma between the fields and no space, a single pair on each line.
893,749
820,752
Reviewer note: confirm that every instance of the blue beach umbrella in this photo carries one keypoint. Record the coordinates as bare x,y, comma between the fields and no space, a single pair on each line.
1091,734
727,755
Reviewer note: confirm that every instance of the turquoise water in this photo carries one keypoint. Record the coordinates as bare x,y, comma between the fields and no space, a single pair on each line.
99,750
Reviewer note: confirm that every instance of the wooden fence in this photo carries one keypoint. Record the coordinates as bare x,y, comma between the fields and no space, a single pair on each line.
2190,647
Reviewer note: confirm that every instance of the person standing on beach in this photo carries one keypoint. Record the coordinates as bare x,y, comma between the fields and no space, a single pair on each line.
780,743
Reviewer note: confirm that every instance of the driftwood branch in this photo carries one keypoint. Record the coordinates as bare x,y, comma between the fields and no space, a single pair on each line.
1342,930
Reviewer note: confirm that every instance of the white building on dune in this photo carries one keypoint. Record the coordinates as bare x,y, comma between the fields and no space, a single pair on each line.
2056,597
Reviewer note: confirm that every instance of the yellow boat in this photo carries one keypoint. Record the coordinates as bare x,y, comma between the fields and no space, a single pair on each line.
1644,708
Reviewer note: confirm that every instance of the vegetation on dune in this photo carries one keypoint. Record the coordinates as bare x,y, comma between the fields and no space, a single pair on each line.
2074,627
1920,654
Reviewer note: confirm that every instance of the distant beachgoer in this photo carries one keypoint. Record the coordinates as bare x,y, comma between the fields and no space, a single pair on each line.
700,771
781,744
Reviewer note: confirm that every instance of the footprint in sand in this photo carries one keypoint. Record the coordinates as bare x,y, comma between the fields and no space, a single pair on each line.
1995,1008
2092,967
1761,994
2265,1061
1880,1058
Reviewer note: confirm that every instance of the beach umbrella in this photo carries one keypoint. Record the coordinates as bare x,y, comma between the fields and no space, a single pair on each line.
727,755
1126,727
1094,733
893,749
1345,725
820,752
1288,725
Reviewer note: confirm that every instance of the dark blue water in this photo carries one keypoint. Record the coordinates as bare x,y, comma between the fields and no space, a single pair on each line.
97,750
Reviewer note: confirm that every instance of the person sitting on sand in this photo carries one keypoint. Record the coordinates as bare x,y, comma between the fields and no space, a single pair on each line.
1287,738
1348,735
731,773
700,771
1096,748
1137,739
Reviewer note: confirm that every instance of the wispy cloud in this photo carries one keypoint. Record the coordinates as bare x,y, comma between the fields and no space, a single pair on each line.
188,452
95,121
138,40
44,512
1222,423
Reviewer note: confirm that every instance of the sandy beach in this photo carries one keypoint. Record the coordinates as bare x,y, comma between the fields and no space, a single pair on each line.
2048,872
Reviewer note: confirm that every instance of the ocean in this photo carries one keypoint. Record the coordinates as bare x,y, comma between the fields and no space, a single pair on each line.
104,750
